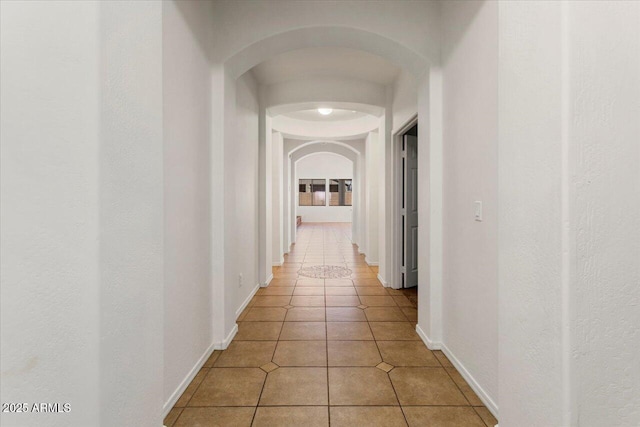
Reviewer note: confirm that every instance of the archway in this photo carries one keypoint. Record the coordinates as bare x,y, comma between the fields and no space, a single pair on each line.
407,58
321,166
385,47
296,151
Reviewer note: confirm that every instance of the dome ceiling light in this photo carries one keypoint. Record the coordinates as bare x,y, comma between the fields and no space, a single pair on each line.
325,111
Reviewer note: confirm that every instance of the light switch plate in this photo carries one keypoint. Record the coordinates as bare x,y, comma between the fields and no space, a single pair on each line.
477,210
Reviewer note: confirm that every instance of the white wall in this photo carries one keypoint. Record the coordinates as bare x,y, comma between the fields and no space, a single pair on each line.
287,201
531,367
385,186
569,202
470,263
50,264
241,196
265,197
371,197
223,98
277,192
188,334
604,120
324,166
131,214
430,172
82,211
405,100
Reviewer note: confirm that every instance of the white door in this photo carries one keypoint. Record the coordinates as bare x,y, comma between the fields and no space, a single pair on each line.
410,210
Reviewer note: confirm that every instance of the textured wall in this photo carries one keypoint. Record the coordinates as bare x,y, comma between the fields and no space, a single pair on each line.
131,214
530,152
83,207
570,202
604,121
49,212
470,173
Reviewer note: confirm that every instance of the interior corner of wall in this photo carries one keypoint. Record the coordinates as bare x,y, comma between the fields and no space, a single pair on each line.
247,300
382,280
484,396
222,345
267,281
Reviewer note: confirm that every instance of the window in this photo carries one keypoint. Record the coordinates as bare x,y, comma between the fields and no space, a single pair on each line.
304,192
319,192
312,192
340,192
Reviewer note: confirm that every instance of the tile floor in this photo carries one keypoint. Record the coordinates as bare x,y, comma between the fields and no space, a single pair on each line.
320,352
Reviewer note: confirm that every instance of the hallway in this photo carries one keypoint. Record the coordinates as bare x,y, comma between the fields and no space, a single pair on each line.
157,158
340,350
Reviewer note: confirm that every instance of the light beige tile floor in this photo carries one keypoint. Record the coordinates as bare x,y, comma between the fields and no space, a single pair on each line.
320,352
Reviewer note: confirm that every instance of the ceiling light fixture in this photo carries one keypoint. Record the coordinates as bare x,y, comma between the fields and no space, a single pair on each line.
325,111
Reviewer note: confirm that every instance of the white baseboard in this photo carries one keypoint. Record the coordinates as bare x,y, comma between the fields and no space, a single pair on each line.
431,345
269,279
222,345
247,300
278,263
370,263
384,282
187,380
482,394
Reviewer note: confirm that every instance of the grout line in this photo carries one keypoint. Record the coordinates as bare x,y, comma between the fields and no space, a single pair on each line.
198,386
255,408
326,332
179,414
477,413
337,405
455,383
308,251
255,411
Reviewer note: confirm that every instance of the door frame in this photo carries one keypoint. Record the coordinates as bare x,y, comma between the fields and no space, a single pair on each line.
396,211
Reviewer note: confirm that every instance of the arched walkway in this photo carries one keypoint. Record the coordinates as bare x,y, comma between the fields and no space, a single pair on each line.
237,64
341,149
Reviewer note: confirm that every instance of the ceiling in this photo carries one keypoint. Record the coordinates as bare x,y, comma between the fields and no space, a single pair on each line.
328,62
